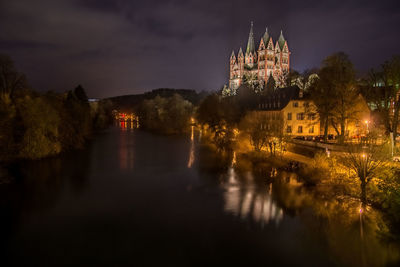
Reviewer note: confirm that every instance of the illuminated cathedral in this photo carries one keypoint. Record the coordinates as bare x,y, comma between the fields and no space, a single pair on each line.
269,61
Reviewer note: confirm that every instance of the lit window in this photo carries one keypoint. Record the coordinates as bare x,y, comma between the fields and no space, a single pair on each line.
289,116
300,116
311,129
300,129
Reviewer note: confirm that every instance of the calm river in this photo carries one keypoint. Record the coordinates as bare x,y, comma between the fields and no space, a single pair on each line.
138,199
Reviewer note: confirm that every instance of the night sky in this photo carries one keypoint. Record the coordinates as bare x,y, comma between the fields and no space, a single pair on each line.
126,47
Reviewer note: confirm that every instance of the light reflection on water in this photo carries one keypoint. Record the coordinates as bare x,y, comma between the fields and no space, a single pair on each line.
273,198
128,125
245,200
191,153
125,151
234,211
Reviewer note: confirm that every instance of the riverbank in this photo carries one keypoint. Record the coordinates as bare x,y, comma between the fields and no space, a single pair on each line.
328,175
35,126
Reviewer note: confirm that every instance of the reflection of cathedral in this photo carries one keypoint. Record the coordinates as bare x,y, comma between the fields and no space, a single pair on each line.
268,61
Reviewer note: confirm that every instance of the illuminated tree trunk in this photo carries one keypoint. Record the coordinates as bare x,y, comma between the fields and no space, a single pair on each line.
363,192
326,129
342,130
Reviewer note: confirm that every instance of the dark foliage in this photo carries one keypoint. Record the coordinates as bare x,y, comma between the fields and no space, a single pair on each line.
169,115
132,103
34,125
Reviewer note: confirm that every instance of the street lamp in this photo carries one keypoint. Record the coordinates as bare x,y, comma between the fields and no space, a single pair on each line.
367,122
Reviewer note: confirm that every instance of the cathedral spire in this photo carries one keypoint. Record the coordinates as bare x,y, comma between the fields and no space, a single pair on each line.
266,37
233,54
240,52
250,42
281,41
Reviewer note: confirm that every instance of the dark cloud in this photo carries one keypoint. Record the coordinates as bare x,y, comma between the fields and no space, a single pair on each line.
121,47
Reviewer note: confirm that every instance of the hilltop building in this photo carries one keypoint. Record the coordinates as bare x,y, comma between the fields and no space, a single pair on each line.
268,61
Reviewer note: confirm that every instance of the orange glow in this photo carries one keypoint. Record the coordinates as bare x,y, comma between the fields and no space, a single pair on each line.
191,153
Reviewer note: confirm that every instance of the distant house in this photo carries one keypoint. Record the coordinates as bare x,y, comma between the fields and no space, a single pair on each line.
296,110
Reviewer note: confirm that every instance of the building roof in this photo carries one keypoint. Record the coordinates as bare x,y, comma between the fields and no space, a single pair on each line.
281,41
266,37
250,43
251,48
279,98
240,52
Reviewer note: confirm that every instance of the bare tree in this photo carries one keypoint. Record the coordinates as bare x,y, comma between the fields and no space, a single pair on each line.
263,129
334,93
10,79
366,160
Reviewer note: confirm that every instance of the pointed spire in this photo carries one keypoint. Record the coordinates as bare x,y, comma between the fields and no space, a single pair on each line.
250,43
266,37
281,41
240,52
233,54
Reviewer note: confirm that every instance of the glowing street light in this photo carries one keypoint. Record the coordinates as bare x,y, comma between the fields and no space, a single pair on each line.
367,123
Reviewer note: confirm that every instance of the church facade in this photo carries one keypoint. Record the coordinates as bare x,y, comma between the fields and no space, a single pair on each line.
269,60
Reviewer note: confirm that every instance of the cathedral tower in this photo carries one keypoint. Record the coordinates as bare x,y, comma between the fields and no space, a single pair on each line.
269,60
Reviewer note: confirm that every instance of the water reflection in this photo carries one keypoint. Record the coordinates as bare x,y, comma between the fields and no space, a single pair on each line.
37,187
84,205
125,151
123,125
260,194
191,153
245,199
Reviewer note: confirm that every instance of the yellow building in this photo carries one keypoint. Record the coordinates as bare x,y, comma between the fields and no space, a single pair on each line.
299,117
299,120
296,111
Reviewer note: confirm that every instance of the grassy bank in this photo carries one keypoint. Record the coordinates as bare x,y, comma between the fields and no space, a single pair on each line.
330,178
